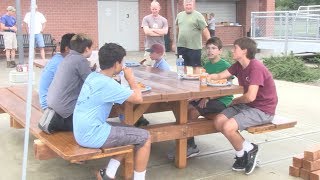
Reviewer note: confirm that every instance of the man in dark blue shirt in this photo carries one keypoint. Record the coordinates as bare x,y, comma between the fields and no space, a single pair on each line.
8,25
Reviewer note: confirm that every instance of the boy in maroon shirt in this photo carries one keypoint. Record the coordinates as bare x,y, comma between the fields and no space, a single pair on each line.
255,107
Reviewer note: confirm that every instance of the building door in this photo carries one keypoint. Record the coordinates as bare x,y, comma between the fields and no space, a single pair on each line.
118,22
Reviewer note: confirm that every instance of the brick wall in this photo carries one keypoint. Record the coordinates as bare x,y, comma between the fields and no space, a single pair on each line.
76,16
64,16
228,34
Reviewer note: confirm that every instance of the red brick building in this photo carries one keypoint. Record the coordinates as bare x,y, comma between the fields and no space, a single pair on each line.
89,16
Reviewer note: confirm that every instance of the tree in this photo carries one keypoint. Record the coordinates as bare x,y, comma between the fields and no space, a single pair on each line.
294,4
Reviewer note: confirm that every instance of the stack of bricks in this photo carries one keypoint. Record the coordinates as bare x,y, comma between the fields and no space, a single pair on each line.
307,165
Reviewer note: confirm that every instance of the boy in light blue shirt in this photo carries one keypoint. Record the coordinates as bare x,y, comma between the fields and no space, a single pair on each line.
51,68
156,54
98,94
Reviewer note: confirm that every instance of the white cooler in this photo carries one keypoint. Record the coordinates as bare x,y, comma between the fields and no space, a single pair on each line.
19,77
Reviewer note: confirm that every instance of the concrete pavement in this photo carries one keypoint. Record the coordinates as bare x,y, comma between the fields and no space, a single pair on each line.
296,101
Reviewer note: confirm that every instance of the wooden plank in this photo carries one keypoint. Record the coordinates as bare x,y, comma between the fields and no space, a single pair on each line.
169,131
270,127
21,91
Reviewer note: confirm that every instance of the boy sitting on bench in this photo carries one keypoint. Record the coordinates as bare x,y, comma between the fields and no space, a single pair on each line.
98,94
256,106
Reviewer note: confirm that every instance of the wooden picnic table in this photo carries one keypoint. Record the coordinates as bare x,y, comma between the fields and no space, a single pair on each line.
170,93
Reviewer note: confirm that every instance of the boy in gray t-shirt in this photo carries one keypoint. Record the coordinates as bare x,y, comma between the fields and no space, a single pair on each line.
66,85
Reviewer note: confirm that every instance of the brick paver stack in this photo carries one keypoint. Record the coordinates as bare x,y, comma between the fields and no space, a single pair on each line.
307,165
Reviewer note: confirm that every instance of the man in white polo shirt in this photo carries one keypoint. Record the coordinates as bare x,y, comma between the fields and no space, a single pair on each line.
39,25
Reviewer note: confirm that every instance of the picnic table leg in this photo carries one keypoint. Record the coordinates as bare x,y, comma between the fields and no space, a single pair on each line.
128,113
180,112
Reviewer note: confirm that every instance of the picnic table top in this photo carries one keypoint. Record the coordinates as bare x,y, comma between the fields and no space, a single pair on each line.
165,86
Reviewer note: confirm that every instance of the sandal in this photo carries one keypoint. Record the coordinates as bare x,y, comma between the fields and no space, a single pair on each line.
102,175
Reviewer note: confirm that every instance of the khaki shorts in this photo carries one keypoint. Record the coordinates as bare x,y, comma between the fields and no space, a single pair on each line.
10,40
247,116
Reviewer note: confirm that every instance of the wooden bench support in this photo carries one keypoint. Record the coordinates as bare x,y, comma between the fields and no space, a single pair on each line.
42,151
205,126
15,124
128,155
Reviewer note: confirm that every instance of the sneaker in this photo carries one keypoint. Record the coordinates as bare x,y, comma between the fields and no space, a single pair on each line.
46,120
141,122
191,152
240,163
252,159
102,175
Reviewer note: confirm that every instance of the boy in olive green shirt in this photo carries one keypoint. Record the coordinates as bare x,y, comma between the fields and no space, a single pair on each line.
206,105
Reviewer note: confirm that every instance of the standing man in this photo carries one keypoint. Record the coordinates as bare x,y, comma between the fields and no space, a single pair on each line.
8,25
40,24
191,26
155,27
212,25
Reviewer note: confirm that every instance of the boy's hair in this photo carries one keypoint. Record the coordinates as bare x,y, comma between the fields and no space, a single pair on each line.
215,41
249,44
80,42
109,54
156,48
65,41
212,14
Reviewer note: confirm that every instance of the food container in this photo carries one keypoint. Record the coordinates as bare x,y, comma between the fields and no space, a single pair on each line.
203,79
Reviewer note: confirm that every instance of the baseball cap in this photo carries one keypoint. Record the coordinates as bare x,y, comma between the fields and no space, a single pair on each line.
11,8
157,48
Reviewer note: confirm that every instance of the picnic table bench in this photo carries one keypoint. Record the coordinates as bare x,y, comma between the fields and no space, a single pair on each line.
63,144
160,99
49,42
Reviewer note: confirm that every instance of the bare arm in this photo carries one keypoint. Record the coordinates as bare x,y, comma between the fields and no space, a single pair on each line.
161,32
206,34
26,27
136,96
174,45
43,26
223,75
155,32
2,27
247,97
149,32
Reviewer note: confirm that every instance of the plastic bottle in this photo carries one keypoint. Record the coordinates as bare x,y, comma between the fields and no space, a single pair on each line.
203,77
123,80
180,66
